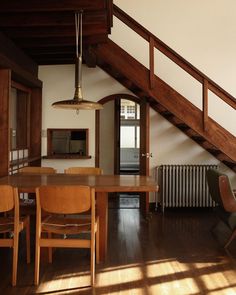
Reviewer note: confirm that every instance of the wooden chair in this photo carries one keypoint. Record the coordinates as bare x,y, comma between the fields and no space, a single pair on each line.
37,170
222,193
9,200
60,201
27,206
83,170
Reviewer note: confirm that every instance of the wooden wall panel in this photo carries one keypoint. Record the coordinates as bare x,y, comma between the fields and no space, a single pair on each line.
5,79
35,124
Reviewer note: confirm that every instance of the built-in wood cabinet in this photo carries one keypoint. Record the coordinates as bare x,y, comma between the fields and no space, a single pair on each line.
20,124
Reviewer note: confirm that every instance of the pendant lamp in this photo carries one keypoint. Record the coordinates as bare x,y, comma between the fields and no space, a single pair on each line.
78,103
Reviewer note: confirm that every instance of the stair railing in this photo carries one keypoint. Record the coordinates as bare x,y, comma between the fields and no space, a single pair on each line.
154,42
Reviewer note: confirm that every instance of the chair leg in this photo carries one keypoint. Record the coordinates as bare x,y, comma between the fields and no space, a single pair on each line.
49,249
15,258
37,262
230,239
97,244
28,239
92,258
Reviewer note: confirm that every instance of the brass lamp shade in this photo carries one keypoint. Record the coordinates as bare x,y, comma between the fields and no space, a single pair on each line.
78,103
74,104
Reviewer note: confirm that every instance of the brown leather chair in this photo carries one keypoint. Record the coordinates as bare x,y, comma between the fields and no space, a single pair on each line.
225,198
12,224
59,203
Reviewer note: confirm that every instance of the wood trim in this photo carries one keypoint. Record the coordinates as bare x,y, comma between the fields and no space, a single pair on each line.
97,123
151,62
97,138
205,103
35,123
5,88
117,136
21,87
144,149
119,95
145,137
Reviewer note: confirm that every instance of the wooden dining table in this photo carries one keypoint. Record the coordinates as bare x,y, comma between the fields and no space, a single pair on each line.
103,184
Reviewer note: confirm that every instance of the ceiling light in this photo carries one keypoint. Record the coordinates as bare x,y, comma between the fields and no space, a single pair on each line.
78,103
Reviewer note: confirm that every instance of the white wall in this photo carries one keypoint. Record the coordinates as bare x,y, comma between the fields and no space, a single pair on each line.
202,34
58,84
107,138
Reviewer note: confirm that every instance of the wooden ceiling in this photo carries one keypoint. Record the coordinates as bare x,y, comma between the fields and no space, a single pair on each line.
45,29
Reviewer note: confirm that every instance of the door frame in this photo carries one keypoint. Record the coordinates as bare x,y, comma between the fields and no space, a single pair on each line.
144,144
104,100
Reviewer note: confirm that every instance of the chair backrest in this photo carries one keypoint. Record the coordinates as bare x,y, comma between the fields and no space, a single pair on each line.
220,190
10,200
213,185
227,195
68,199
7,197
84,170
37,170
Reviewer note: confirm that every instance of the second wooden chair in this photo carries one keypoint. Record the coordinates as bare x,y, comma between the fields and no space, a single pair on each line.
62,202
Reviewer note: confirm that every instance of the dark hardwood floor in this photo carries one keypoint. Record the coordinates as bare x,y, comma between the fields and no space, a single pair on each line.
174,253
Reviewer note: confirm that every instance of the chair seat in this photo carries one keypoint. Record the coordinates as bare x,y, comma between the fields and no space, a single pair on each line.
7,224
66,225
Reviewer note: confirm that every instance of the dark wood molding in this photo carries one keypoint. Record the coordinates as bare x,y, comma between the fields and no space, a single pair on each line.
5,80
13,55
35,122
39,25
97,138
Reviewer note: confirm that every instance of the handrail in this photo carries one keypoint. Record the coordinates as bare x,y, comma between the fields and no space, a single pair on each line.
207,83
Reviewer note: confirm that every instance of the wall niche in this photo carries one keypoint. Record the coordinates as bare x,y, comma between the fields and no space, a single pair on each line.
68,143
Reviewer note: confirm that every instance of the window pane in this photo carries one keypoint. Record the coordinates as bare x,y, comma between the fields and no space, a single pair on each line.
138,137
127,136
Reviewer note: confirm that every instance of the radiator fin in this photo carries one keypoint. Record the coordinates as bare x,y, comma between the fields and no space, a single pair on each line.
184,186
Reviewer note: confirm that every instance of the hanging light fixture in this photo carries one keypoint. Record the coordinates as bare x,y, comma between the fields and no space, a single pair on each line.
78,103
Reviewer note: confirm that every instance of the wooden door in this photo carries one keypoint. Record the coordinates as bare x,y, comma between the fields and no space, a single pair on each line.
144,152
117,137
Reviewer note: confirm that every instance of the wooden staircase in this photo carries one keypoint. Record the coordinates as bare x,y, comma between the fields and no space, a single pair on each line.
166,100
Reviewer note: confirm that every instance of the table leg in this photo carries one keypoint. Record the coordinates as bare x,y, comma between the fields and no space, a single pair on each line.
102,211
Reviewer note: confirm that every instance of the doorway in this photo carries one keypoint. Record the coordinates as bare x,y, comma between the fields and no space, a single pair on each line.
129,137
110,123
127,126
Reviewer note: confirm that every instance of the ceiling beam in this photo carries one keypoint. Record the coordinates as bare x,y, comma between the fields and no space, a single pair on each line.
58,41
51,5
13,57
39,19
61,32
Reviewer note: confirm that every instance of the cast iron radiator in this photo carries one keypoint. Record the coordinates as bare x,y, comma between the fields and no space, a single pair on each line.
184,186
